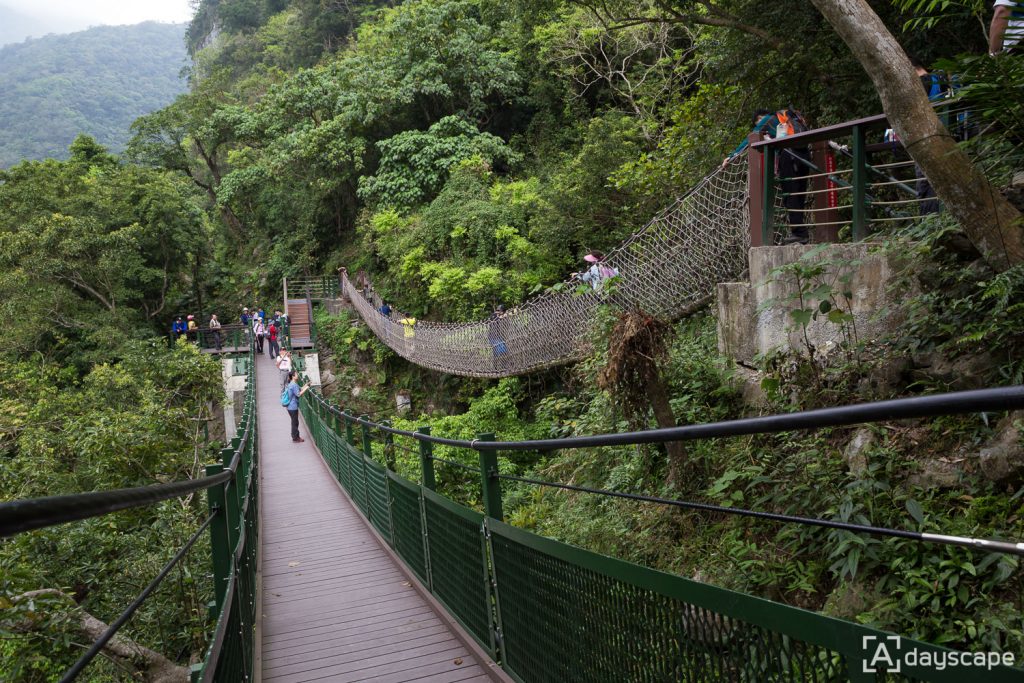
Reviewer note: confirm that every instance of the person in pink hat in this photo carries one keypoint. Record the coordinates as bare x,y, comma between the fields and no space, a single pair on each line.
599,272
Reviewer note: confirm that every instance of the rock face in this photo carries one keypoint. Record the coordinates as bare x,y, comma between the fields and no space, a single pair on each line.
856,452
753,320
1003,459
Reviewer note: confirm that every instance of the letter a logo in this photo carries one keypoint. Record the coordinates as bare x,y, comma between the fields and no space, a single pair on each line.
881,654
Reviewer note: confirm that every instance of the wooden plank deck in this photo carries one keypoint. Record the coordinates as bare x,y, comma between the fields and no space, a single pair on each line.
335,605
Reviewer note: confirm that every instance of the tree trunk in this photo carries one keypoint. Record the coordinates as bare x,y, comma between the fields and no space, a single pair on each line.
657,394
145,664
990,221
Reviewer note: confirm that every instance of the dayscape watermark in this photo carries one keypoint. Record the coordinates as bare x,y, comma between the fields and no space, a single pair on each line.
886,653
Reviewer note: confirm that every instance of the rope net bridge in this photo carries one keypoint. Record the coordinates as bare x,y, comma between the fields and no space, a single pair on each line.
667,269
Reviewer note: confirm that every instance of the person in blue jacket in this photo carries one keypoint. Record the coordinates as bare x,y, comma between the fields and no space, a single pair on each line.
293,404
179,328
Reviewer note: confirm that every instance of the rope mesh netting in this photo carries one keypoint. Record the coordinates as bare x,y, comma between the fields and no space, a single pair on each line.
667,269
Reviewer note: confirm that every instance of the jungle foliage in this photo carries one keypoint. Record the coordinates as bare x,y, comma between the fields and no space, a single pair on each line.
94,82
467,153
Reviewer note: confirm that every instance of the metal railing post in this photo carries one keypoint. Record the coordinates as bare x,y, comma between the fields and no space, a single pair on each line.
220,546
755,188
823,200
427,461
350,438
231,505
367,441
389,447
367,455
768,197
490,485
860,179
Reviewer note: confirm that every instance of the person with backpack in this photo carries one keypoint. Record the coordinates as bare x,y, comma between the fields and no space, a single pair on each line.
290,400
272,335
496,334
193,329
792,165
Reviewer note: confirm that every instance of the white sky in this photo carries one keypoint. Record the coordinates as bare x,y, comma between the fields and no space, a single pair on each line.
97,12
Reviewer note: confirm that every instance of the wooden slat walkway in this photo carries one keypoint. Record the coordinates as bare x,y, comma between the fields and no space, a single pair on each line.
336,607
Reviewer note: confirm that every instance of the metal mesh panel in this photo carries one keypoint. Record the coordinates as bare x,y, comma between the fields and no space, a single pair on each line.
356,470
561,621
458,567
377,499
333,453
344,464
408,524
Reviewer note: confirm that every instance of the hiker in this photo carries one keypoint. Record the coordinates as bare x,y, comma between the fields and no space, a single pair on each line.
215,330
599,273
193,329
244,319
274,348
259,330
179,328
293,391
284,364
408,323
263,315
936,90
791,165
385,310
497,325
1007,27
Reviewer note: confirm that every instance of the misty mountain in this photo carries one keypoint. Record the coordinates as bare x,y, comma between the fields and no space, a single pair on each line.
16,26
96,81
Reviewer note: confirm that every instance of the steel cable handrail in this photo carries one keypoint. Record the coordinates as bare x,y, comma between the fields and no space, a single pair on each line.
953,403
982,400
38,513
964,541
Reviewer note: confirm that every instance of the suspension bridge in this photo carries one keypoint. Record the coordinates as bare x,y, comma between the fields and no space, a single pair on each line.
329,565
672,266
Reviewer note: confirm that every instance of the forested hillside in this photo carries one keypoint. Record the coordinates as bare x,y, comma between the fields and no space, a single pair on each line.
95,82
466,154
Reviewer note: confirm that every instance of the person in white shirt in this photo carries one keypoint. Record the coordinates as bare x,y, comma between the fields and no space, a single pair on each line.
284,364
259,330
215,329
1007,27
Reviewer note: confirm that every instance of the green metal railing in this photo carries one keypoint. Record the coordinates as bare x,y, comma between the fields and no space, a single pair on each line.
232,499
547,611
233,338
234,545
849,175
318,287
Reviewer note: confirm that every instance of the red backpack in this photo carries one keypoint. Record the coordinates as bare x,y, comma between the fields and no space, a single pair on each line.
273,333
